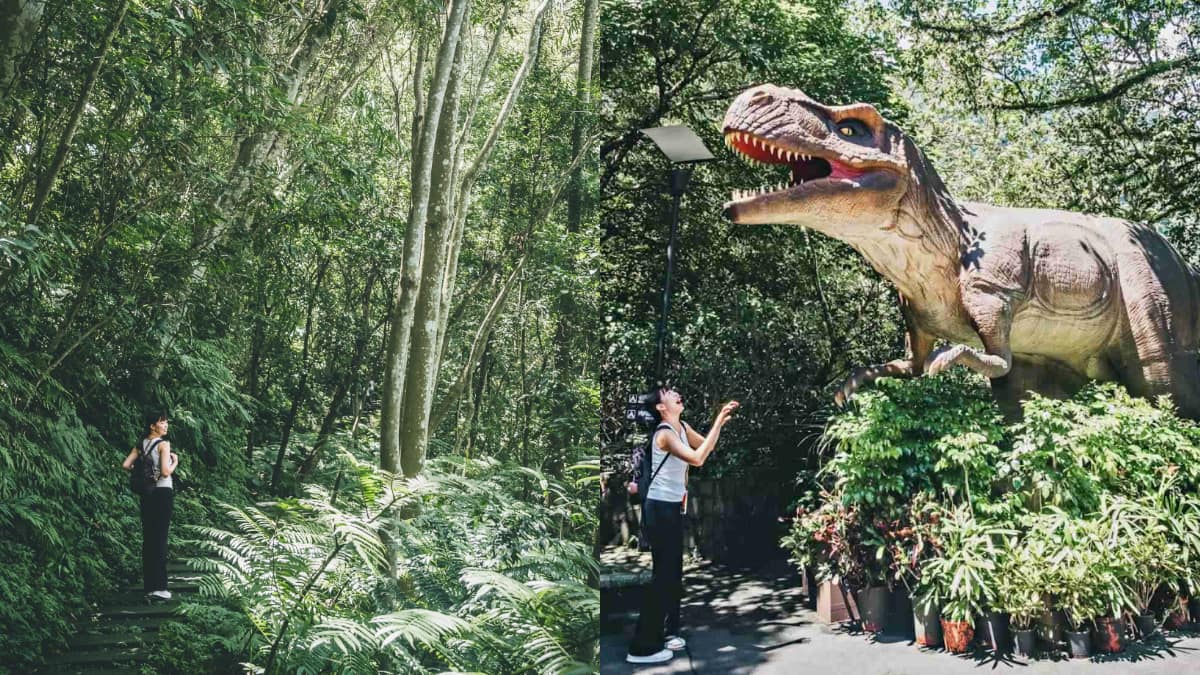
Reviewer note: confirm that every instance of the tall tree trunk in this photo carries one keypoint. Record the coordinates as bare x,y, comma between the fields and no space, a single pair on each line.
298,398
257,339
405,295
583,108
46,180
431,308
19,21
421,376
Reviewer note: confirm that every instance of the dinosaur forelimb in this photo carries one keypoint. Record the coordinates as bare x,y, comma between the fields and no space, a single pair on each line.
989,365
866,375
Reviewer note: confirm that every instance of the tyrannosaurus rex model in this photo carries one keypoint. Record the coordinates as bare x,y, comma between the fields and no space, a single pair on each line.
1034,299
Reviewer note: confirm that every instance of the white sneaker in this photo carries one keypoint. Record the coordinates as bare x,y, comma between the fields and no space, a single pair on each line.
165,595
661,656
675,643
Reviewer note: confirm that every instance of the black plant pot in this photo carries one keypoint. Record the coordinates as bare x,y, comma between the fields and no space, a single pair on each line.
1194,609
1052,626
872,607
927,626
983,637
1026,642
1146,624
996,627
1081,644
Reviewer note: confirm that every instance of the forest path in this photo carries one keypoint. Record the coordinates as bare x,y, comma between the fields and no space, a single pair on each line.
116,637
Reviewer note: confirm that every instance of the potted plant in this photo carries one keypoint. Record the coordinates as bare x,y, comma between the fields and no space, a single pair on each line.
913,549
1020,584
1152,563
961,576
1080,591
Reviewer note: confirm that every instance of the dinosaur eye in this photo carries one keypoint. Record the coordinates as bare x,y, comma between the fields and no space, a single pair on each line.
855,131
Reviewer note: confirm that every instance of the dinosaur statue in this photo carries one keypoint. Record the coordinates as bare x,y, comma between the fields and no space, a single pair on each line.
1035,299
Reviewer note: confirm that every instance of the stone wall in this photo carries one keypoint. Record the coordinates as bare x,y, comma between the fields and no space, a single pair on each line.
732,520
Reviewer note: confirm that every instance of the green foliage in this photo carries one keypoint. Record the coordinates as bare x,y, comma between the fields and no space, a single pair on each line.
209,637
962,577
903,438
489,580
1092,507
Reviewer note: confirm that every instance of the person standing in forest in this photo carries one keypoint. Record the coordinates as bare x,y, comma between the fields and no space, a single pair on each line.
676,448
156,504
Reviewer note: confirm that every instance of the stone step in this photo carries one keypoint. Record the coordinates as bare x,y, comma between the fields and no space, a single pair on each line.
94,669
107,657
102,640
134,611
173,585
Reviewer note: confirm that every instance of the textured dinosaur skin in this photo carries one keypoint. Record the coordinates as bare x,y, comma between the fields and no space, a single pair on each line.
1035,299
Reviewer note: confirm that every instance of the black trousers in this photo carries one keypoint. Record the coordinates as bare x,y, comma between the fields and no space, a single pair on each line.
659,615
156,520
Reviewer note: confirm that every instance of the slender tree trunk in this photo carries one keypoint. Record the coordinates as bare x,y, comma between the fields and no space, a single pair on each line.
414,244
302,386
46,180
252,370
19,21
344,384
583,103
482,338
421,376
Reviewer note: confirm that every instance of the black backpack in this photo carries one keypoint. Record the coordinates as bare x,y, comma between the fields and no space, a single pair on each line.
643,475
643,471
142,478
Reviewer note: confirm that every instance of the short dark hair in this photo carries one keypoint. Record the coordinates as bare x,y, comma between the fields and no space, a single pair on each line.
152,418
653,398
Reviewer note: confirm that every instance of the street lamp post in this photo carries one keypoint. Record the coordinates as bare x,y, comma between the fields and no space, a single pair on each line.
683,148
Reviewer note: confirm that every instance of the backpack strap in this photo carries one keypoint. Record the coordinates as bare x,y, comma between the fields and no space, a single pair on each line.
664,459
146,452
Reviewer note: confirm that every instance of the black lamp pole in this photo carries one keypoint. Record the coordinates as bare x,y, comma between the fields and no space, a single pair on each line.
679,181
683,148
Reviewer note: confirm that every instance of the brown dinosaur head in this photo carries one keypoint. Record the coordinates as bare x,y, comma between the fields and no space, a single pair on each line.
848,168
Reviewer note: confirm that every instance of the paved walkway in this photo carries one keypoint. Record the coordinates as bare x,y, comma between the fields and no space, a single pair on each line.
757,622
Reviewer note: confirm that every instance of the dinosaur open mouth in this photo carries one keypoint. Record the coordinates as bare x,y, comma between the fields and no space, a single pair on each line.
803,167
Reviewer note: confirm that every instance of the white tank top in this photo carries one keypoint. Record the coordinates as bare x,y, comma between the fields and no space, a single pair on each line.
155,457
670,483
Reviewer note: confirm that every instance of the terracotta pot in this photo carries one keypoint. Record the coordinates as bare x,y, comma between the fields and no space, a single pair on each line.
927,626
1146,624
1081,644
872,606
957,635
1026,642
1176,619
1109,635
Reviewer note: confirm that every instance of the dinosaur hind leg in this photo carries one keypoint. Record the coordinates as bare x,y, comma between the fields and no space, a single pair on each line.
1031,373
1159,353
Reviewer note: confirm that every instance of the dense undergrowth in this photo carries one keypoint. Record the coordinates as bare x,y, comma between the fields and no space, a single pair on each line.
493,559
1089,501
69,526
